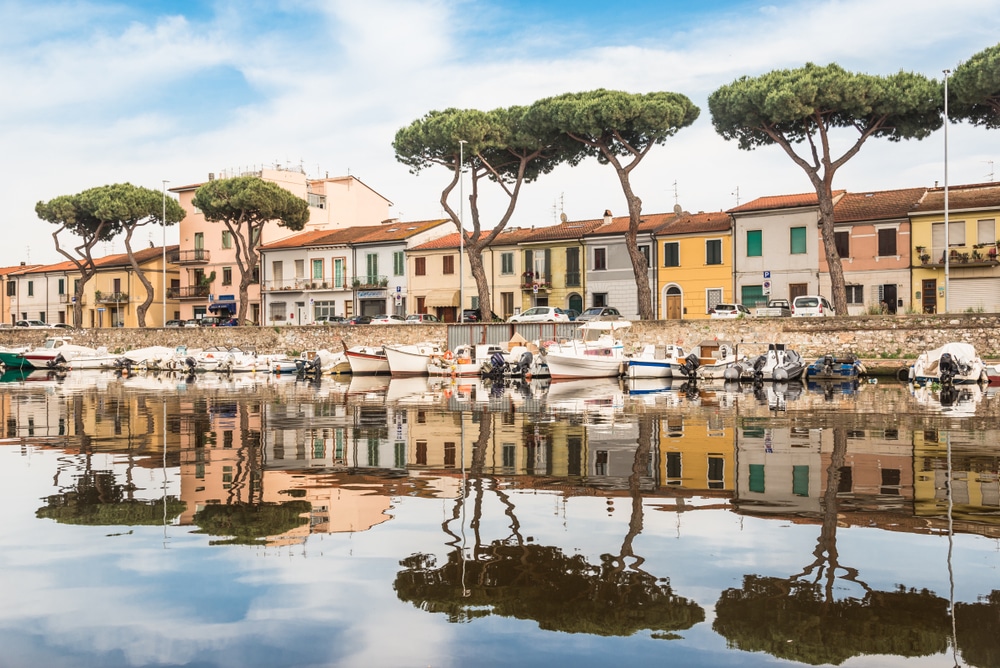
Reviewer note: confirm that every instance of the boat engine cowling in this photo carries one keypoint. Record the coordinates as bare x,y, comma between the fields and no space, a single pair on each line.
524,363
56,361
948,367
758,367
690,365
828,362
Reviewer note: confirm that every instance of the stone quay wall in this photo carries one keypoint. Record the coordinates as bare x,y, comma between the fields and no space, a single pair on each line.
869,337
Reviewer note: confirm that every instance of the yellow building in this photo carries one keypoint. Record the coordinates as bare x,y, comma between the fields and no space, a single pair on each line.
970,247
695,271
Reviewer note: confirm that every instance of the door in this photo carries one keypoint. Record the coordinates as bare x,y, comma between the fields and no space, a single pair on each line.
928,295
889,297
673,303
797,290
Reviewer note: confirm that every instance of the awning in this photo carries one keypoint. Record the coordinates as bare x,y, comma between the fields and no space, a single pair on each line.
441,298
218,307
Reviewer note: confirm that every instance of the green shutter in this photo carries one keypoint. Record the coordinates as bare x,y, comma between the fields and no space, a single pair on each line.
755,247
798,240
757,478
800,480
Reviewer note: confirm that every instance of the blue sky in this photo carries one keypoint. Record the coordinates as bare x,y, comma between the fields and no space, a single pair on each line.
103,92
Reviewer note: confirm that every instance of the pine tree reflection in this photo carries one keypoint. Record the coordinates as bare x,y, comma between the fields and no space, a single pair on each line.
512,577
800,618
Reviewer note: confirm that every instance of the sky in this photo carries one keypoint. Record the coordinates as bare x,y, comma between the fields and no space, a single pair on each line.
100,92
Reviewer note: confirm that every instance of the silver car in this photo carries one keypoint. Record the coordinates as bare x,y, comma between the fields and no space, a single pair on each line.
541,314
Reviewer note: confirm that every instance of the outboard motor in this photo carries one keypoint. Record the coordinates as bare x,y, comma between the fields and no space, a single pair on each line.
190,363
524,364
690,366
495,366
758,368
828,362
948,367
57,361
305,367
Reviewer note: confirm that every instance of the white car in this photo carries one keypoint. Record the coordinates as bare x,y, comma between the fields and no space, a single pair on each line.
730,311
32,324
540,314
387,319
814,306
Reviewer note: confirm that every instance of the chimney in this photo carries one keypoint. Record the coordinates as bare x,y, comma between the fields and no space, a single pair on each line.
607,216
211,176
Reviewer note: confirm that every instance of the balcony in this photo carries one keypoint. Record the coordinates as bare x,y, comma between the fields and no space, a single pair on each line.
369,282
191,292
530,281
110,297
196,256
980,255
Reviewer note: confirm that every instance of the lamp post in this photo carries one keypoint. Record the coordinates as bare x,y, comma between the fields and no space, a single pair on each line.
163,220
947,248
461,232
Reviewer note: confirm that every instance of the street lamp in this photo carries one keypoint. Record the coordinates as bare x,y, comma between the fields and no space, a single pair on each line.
461,233
163,220
947,248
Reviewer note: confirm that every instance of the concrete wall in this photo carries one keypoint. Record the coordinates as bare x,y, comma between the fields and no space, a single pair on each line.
868,336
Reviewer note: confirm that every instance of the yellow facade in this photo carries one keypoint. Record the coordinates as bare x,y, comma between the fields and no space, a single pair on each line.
688,289
112,296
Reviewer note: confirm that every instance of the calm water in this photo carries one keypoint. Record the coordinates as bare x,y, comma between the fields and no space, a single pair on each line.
265,521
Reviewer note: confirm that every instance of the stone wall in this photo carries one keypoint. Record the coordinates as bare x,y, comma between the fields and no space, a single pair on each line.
887,337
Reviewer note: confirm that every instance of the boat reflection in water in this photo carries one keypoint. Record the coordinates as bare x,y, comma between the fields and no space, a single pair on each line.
742,524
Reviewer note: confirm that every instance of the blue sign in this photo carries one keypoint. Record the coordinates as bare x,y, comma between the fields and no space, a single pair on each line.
399,288
767,274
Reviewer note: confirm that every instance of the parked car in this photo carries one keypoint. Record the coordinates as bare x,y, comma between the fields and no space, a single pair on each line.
572,313
330,320
600,313
360,320
472,315
234,322
387,319
210,321
192,322
32,324
421,318
729,311
540,314
815,306
62,325
776,308
174,323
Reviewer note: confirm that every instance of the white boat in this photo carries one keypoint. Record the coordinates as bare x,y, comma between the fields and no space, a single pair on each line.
323,361
367,360
709,360
411,359
55,351
594,353
951,364
655,361
778,364
464,361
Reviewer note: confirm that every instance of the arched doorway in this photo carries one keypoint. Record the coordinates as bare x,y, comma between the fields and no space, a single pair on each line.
575,301
673,303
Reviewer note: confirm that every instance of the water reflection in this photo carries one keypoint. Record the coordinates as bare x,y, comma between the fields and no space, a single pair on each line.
449,479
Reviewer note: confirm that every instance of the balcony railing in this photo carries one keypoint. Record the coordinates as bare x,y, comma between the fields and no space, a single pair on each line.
196,256
111,297
192,292
980,255
530,280
369,282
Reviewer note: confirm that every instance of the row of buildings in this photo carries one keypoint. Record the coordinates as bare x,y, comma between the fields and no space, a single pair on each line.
352,258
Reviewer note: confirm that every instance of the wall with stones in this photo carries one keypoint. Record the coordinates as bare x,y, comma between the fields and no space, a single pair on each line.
887,337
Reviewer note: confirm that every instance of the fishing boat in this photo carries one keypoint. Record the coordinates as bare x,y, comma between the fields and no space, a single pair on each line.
411,359
594,353
830,367
951,364
709,360
655,361
367,360
55,351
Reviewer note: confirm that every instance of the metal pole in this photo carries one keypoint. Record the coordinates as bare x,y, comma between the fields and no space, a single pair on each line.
947,247
461,232
163,323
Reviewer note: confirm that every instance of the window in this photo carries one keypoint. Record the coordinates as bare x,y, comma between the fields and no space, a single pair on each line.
573,277
420,266
757,478
227,239
855,294
339,272
645,253
713,297
800,479
62,286
713,251
277,311
11,288
31,288
448,264
506,263
797,238
671,254
986,231
600,259
600,299
324,309
372,266
887,242
755,243
227,275
843,243
398,263
317,270
956,234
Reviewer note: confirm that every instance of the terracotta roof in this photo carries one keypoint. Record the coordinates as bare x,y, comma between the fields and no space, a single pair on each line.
781,202
694,223
972,196
399,230
336,237
141,255
619,224
17,268
882,205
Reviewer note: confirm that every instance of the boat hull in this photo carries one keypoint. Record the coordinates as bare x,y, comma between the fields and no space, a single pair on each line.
410,360
367,361
575,365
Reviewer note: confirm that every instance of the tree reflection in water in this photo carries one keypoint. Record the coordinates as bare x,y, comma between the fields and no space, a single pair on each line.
800,618
96,499
512,578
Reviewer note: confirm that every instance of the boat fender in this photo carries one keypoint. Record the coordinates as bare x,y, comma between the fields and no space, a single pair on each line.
903,374
448,356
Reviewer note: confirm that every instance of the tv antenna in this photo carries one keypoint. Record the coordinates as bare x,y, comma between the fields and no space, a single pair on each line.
990,175
737,194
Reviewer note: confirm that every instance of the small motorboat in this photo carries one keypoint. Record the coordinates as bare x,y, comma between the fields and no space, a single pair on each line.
411,359
655,361
830,367
777,364
951,364
596,352
367,360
